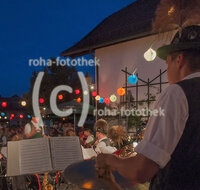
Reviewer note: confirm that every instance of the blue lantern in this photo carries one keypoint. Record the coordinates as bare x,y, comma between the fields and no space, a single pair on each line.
132,79
3,114
29,116
101,100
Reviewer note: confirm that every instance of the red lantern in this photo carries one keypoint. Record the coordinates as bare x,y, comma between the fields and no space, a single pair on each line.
94,93
77,91
121,91
4,104
106,100
12,115
41,100
78,100
60,97
21,116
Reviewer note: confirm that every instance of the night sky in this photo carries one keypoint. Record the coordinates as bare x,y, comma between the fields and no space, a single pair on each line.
43,28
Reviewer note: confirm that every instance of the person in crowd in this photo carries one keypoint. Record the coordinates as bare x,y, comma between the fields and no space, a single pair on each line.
103,144
120,140
3,139
90,138
33,130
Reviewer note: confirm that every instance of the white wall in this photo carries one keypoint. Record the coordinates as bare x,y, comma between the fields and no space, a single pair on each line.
128,54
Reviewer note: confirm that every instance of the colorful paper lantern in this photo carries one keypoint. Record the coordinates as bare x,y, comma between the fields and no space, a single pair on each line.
132,79
94,93
121,91
29,116
3,114
113,98
23,103
21,116
150,54
4,104
106,100
101,100
41,100
78,100
97,97
77,91
60,96
12,115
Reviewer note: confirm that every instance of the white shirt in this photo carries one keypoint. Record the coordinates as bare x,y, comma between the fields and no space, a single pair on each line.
103,148
27,128
164,132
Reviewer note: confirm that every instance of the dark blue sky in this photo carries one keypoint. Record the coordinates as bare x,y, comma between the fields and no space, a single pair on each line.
43,28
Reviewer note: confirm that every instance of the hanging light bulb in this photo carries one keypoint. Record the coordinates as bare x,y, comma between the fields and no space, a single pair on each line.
113,98
150,54
97,97
121,91
101,100
132,79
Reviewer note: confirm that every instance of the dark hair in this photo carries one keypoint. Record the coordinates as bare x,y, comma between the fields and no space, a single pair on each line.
191,56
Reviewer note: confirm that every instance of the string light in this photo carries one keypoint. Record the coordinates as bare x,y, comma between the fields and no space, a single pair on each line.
23,103
41,100
101,100
97,97
113,98
121,91
4,104
150,54
60,96
77,91
78,100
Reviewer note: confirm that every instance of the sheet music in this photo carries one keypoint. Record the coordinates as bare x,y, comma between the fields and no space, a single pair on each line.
88,153
65,151
35,156
13,168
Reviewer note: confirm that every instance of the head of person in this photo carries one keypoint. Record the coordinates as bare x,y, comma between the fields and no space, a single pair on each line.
183,54
35,119
87,132
101,128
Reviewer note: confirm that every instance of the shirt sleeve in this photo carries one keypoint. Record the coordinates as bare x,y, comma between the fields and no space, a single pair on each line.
106,149
163,132
27,129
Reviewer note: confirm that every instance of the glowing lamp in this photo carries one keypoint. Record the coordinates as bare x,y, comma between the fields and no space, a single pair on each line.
12,115
85,92
97,97
78,100
77,91
23,103
21,116
0,117
5,117
113,98
63,119
88,185
150,54
11,118
101,100
132,79
29,116
4,104
92,87
106,100
94,93
60,97
41,100
121,91
3,114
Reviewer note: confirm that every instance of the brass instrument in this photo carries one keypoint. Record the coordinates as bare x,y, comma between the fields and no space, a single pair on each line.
45,185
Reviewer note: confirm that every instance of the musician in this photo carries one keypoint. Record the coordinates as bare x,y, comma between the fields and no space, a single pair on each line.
169,153
32,129
90,138
103,144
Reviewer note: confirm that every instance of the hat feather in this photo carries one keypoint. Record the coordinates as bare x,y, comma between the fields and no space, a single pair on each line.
176,14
